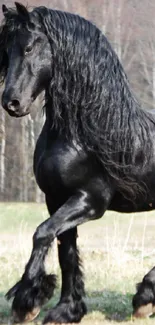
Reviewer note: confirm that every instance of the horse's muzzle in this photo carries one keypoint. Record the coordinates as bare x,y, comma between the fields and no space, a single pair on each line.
13,106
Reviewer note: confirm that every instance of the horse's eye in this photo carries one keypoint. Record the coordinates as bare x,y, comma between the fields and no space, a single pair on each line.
28,49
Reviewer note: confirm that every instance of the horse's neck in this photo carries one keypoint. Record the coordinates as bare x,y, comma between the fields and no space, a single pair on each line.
55,116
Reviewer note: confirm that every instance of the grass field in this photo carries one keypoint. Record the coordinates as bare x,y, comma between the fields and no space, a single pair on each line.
117,251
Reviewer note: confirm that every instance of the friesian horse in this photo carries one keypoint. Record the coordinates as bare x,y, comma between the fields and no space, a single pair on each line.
96,150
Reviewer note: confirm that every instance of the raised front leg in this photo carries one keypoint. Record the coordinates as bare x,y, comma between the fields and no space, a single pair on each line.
84,205
29,295
35,286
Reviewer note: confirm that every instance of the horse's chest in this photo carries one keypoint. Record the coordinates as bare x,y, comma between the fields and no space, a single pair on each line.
61,167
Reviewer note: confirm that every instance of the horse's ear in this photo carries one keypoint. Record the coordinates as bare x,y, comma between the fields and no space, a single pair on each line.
22,11
5,10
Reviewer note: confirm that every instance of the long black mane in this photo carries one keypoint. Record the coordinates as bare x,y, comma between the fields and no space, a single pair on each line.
89,98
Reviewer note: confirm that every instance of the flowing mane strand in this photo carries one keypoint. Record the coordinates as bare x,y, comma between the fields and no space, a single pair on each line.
89,98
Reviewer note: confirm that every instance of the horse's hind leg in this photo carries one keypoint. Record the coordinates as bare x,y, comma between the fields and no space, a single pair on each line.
71,307
144,299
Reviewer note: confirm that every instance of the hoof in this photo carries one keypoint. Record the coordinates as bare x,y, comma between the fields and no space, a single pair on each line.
144,300
66,313
144,311
29,296
28,317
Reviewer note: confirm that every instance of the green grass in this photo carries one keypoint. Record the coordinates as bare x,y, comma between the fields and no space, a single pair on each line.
117,251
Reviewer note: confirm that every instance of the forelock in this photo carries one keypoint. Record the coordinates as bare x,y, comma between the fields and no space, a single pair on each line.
14,22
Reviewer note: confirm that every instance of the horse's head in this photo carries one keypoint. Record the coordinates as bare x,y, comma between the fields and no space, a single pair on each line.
25,59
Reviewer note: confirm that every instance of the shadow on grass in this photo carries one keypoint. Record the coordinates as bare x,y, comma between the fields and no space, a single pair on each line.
4,309
115,306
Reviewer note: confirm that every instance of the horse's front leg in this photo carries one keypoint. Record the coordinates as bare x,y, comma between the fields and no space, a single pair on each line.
71,307
35,286
33,290
72,291
82,206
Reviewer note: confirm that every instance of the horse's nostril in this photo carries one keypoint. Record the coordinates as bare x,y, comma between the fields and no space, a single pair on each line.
13,105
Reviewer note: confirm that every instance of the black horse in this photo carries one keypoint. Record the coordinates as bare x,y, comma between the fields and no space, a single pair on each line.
95,152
